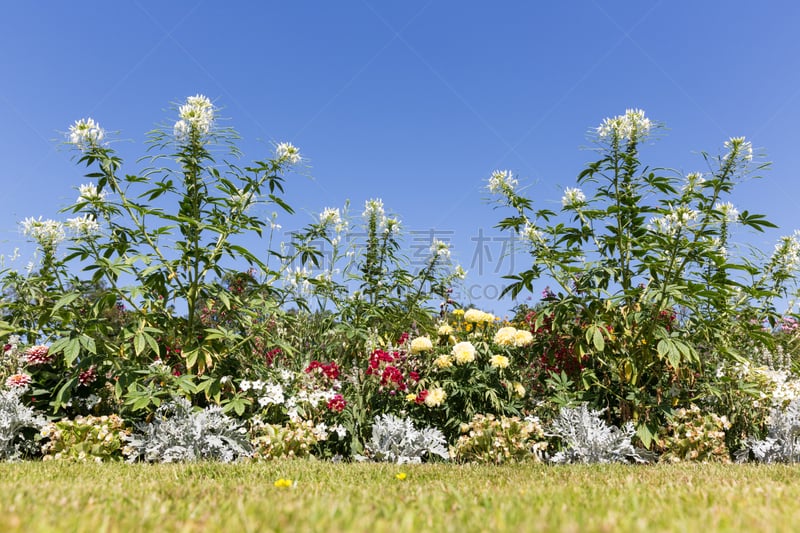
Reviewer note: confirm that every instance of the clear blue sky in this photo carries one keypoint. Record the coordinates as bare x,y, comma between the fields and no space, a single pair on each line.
413,102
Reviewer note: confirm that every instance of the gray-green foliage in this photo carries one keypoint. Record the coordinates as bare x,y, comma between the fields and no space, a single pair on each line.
782,444
178,433
15,417
396,440
589,439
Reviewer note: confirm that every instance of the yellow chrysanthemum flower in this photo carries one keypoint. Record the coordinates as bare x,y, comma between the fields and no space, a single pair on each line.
443,361
421,344
435,397
522,338
464,352
505,336
499,361
445,330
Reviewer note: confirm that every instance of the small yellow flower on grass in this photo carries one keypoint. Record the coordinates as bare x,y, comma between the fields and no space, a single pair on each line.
401,476
283,483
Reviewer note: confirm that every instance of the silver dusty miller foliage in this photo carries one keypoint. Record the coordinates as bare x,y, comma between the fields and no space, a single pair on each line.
782,444
178,433
15,417
396,440
589,439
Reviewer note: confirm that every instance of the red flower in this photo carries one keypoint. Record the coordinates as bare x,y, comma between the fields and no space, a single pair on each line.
413,375
337,403
420,399
329,370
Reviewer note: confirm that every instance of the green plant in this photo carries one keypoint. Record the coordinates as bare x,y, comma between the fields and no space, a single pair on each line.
646,287
488,439
90,438
693,435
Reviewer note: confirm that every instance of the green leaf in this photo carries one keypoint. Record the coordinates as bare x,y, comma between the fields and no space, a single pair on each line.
72,350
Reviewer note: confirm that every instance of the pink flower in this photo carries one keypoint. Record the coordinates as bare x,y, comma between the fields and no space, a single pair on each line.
38,355
18,381
87,376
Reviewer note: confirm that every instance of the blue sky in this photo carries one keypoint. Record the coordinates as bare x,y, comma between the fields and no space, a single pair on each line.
413,102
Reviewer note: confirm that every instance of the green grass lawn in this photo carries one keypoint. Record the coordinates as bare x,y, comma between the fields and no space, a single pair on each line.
370,497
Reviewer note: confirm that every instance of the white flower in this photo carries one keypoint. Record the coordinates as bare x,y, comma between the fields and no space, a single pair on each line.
421,344
531,234
89,193
671,223
287,152
440,249
502,182
196,115
633,126
464,352
392,226
273,395
460,273
85,225
86,134
739,150
436,396
694,180
573,197
729,212
330,216
48,233
374,207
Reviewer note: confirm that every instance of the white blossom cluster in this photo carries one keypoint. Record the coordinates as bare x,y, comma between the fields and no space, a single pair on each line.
88,193
287,152
786,257
728,211
531,234
573,197
86,134
47,233
502,182
196,115
440,249
673,222
633,126
83,226
740,151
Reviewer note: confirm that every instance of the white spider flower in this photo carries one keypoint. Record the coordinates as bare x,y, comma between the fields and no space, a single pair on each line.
287,152
47,233
196,115
86,134
83,226
440,249
739,150
633,126
729,212
573,197
502,182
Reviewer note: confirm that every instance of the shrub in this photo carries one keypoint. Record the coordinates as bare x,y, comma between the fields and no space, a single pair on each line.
16,424
487,439
177,433
696,436
96,438
782,444
589,439
396,440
